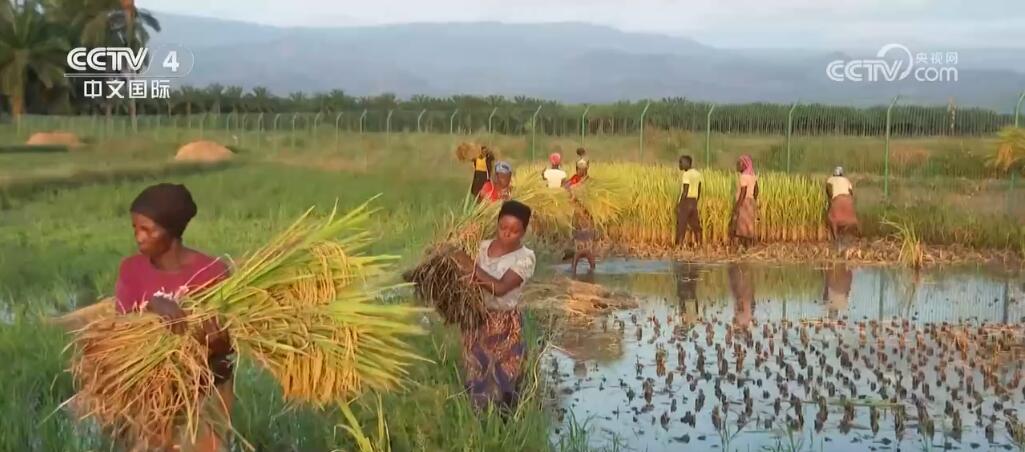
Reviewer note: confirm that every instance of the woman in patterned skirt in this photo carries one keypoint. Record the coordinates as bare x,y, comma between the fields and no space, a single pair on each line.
494,352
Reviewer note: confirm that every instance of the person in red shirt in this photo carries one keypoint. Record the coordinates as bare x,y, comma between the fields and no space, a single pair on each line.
580,176
161,273
497,189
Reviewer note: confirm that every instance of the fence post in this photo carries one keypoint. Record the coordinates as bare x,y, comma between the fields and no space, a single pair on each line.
316,122
387,124
338,136
643,113
790,132
242,130
583,124
490,117
886,158
708,137
362,121
202,125
452,121
418,118
1017,108
533,130
291,139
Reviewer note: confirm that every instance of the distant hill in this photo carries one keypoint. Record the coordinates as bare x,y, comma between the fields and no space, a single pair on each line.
571,62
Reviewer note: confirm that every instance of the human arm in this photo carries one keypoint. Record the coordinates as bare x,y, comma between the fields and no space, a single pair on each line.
495,286
686,189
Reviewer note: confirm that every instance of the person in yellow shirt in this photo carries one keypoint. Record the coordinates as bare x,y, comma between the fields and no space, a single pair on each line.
481,170
687,215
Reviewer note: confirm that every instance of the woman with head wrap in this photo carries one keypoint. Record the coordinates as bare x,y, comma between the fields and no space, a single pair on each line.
163,271
842,216
493,353
744,221
555,175
497,189
580,176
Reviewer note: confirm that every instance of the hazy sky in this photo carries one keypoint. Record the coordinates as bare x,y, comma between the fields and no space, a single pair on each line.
732,23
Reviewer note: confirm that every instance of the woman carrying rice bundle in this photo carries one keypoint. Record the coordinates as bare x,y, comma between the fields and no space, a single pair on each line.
153,281
493,353
497,189
481,170
842,217
744,222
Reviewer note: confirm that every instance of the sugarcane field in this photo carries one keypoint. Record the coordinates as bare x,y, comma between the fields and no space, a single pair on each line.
532,228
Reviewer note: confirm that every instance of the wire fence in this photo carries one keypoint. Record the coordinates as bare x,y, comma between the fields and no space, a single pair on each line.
900,140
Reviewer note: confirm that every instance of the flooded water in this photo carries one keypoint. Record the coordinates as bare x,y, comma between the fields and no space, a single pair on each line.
756,357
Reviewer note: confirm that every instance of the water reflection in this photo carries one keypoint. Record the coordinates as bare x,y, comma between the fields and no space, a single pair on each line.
742,286
738,337
837,288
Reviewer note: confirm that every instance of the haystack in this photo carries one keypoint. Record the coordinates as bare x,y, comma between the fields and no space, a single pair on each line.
54,139
203,151
577,298
467,151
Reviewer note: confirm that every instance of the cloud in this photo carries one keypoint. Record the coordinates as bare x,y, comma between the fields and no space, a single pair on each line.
744,23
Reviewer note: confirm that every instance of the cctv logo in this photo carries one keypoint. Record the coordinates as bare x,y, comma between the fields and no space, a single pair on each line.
107,59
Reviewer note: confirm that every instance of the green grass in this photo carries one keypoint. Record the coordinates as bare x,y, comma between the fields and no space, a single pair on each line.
64,228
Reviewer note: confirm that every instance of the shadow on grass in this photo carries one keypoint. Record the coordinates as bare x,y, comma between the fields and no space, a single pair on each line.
26,188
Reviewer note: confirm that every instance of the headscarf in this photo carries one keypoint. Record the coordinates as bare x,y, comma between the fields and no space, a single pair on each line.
747,166
169,205
516,209
838,171
555,158
503,167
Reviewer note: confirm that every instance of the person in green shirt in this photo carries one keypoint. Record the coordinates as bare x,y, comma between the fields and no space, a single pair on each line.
687,215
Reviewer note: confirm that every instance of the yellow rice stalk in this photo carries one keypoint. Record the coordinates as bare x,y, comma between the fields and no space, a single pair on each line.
303,306
139,380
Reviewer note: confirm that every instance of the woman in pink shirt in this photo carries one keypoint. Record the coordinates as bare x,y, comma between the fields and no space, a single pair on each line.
161,273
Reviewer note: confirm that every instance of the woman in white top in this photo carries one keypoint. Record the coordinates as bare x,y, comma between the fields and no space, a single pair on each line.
493,353
555,175
842,216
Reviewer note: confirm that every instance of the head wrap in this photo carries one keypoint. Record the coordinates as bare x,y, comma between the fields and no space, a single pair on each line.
747,166
169,205
503,167
555,158
516,209
838,171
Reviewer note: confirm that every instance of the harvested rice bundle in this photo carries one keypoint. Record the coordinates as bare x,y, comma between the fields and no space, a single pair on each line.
303,306
467,151
444,286
576,298
137,379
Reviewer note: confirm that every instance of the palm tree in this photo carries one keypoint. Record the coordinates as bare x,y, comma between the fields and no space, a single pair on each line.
29,49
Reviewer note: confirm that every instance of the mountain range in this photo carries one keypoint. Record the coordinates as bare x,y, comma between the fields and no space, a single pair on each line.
570,62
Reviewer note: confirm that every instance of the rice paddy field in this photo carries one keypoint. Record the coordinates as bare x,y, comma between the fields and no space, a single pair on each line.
64,229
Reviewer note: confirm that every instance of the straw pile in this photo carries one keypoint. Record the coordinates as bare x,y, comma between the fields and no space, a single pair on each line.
467,151
54,138
447,288
577,298
302,306
203,151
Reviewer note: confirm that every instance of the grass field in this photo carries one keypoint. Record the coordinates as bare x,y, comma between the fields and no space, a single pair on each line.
64,228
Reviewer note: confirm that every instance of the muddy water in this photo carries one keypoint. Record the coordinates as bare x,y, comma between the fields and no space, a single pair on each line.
857,358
